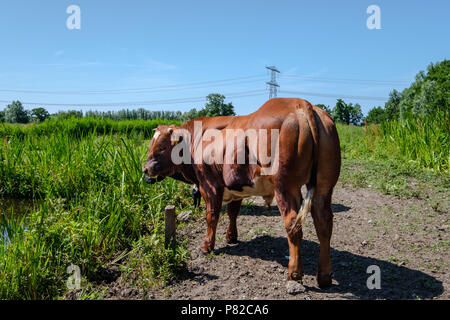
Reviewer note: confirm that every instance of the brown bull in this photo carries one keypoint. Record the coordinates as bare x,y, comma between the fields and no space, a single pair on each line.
306,152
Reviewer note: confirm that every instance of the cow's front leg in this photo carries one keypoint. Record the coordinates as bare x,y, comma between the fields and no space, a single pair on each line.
233,211
213,207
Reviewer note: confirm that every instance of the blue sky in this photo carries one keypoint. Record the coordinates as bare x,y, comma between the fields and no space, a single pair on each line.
155,44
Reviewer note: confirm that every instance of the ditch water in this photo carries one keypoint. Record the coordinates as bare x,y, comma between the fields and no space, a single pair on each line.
11,208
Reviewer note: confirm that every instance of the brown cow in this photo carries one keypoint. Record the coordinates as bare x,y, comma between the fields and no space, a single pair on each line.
306,152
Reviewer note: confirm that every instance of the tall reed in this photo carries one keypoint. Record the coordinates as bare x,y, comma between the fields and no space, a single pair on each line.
422,140
92,204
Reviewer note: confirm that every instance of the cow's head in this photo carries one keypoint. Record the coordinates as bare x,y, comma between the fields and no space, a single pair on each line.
159,163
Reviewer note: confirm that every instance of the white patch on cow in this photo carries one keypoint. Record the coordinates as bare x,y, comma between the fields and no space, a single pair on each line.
156,135
261,187
304,209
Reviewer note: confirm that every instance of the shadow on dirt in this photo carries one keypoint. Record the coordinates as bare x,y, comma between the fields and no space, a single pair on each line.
255,210
196,274
349,270
258,210
337,207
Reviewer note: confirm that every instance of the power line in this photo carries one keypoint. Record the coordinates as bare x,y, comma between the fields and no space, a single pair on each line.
144,103
346,80
233,95
195,85
335,95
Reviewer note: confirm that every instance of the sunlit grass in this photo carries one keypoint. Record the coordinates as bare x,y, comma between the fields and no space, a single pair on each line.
424,142
92,204
93,209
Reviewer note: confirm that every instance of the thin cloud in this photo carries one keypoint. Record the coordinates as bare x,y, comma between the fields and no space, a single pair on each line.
148,65
155,65
71,64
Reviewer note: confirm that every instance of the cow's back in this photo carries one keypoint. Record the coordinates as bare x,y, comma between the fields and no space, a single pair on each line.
316,138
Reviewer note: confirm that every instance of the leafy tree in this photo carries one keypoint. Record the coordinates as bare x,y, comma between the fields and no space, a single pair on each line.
439,75
191,114
392,106
2,116
69,114
408,95
347,113
429,93
39,114
324,107
376,115
341,112
356,114
425,101
216,106
15,113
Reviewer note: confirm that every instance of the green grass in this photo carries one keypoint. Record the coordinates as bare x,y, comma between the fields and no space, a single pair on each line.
370,160
422,141
75,127
92,207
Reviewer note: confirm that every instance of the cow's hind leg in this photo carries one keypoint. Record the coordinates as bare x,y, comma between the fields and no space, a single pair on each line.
233,211
289,204
323,222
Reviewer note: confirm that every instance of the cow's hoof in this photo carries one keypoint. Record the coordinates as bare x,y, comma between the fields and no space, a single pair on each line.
295,276
324,280
205,252
232,240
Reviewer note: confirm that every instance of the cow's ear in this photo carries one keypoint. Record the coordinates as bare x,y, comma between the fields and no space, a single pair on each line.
170,130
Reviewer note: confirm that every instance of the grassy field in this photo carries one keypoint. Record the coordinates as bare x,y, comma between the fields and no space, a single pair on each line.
425,141
81,127
92,208
377,156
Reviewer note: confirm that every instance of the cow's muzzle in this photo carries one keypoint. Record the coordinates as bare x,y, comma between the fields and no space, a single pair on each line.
152,180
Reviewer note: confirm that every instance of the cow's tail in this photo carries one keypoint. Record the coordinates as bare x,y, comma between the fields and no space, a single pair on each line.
303,212
305,207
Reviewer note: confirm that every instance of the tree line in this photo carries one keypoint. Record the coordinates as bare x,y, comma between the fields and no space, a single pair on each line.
347,113
215,106
429,93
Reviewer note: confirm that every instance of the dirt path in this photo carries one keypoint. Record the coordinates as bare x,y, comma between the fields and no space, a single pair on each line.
405,237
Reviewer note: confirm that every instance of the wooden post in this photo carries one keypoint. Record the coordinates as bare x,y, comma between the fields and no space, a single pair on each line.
170,220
